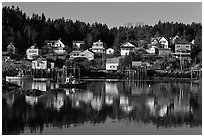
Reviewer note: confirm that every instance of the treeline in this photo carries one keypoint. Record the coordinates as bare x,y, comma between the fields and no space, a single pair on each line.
24,31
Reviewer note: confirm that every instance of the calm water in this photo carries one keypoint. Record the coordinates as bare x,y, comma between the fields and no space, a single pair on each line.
105,108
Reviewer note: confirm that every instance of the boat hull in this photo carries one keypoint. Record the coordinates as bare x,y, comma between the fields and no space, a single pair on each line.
10,78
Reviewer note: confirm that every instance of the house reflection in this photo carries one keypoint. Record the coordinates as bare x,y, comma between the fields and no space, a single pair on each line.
161,104
97,103
10,99
39,85
111,89
31,100
58,101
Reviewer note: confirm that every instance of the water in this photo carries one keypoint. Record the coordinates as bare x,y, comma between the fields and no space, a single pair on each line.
104,107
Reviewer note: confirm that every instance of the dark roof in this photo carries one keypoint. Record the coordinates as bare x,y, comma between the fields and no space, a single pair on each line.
181,41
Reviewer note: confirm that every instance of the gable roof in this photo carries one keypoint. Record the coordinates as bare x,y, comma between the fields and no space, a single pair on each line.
86,51
127,44
53,41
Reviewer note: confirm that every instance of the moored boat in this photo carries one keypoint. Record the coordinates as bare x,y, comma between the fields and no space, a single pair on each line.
71,82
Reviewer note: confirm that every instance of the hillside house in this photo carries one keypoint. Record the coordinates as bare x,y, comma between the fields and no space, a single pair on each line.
153,50
98,47
126,48
160,41
164,42
32,52
182,48
112,64
173,39
87,54
75,54
155,41
57,46
11,48
78,45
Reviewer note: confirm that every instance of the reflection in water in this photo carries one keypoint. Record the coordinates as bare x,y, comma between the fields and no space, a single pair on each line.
162,104
31,100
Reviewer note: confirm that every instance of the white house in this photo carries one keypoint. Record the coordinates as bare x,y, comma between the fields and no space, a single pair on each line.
75,54
57,46
112,63
98,47
39,63
109,51
182,48
87,54
164,42
32,52
126,48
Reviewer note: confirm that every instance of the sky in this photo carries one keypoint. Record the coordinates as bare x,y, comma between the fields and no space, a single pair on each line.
116,14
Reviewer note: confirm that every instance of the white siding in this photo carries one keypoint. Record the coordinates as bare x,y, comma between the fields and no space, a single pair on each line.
112,66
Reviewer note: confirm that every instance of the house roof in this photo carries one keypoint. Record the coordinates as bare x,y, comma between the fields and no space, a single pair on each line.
78,41
113,60
75,52
110,49
181,41
87,51
127,44
53,41
98,42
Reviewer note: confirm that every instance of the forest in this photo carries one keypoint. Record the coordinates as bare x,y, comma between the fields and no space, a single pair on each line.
24,31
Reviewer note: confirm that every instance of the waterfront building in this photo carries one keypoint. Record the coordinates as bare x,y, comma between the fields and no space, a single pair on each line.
126,48
39,63
98,47
113,63
32,52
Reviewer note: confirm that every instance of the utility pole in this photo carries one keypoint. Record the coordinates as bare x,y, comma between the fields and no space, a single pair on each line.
180,60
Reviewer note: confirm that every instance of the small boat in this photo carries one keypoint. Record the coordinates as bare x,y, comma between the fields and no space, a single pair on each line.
16,78
20,76
71,82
